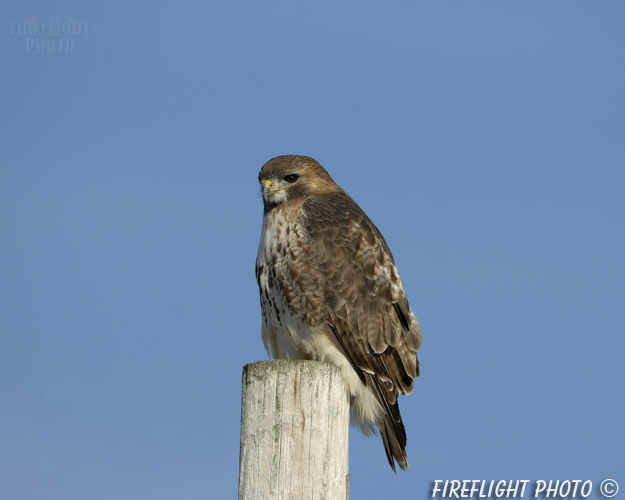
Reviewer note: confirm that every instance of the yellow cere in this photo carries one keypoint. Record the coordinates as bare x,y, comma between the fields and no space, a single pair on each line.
269,183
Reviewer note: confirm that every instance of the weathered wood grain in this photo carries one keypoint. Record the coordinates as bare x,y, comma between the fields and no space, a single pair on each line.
294,431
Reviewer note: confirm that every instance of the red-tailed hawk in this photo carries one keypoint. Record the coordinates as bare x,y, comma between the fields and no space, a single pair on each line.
330,291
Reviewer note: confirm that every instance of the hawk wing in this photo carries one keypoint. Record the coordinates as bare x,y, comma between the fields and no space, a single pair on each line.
366,306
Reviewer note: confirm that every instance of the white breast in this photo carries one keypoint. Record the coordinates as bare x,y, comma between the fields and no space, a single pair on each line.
285,336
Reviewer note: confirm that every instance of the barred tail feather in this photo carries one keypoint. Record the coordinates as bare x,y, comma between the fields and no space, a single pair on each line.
391,426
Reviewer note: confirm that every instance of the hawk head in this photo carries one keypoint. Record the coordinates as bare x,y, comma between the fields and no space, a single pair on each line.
290,177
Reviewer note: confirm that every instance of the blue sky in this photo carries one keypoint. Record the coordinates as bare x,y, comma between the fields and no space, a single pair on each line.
484,139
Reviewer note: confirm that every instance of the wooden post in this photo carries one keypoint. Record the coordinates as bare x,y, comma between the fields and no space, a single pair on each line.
294,431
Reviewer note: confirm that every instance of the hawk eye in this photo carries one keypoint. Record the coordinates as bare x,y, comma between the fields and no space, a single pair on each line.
291,178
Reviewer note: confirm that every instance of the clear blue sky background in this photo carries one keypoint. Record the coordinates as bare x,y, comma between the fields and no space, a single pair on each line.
486,140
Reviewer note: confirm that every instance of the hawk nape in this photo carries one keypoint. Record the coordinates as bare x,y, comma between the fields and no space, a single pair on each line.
330,291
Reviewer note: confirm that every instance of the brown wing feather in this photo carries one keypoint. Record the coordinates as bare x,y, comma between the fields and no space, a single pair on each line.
366,305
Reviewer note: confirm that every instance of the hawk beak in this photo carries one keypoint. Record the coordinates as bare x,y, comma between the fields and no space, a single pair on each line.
269,185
